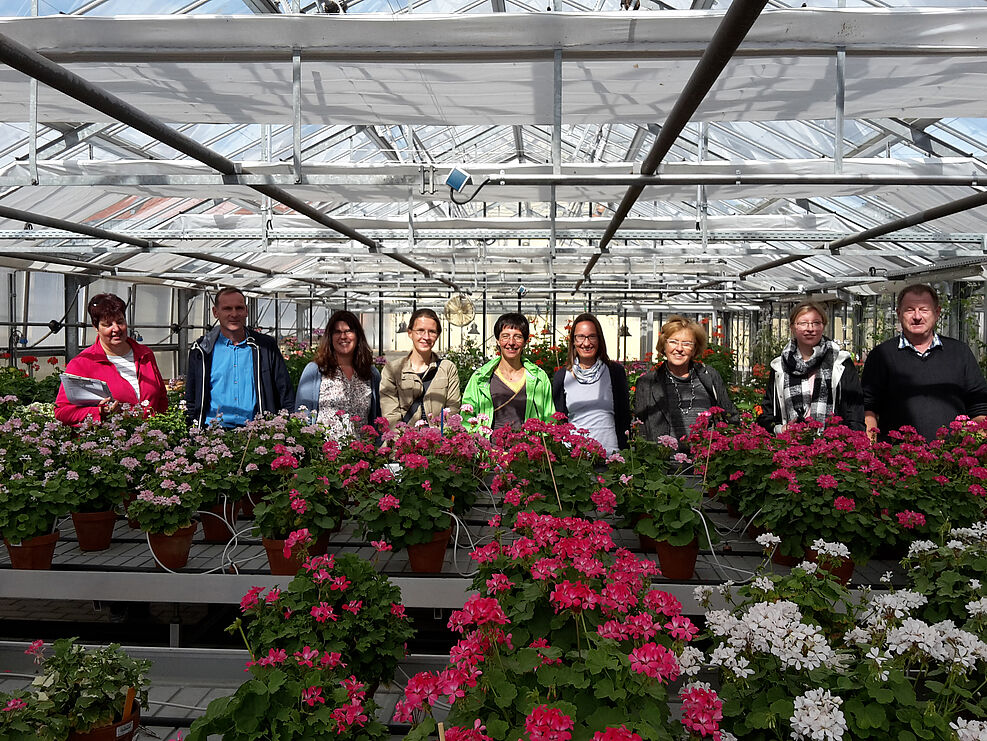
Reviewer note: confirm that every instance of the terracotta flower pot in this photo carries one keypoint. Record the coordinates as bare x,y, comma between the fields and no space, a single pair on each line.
94,530
788,561
34,553
246,505
129,497
678,561
124,730
171,551
843,572
427,558
647,543
281,566
219,526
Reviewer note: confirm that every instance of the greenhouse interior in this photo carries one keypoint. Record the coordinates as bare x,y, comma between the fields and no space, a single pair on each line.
304,420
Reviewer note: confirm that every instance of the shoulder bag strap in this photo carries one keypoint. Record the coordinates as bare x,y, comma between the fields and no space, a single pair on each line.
419,404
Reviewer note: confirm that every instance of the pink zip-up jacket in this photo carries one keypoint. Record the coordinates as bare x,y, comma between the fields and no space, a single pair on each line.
92,363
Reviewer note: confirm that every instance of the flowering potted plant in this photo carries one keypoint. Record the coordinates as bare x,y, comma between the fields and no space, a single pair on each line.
293,695
950,574
410,501
165,506
565,637
551,468
800,657
34,492
339,603
219,479
81,694
303,499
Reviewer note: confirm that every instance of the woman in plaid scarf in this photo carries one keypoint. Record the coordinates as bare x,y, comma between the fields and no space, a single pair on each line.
812,378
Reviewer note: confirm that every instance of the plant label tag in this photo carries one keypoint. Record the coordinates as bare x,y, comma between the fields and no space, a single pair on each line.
125,729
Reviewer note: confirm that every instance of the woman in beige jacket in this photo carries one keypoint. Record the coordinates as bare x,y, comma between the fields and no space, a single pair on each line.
420,385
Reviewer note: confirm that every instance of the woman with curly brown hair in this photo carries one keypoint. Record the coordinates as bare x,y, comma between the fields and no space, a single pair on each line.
341,386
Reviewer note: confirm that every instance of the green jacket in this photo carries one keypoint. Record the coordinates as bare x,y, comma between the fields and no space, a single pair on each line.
538,390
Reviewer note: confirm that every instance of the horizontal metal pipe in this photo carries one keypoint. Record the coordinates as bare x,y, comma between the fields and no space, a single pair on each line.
920,217
55,76
31,217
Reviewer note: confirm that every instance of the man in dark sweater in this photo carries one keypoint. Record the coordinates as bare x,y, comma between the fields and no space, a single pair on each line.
921,378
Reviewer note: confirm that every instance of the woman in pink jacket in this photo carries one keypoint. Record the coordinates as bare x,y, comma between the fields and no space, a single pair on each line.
127,367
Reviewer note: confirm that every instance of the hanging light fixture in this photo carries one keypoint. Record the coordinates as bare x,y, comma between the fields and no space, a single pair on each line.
624,331
403,326
473,330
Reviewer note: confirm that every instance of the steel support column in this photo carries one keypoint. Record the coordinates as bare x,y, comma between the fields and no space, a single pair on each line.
74,285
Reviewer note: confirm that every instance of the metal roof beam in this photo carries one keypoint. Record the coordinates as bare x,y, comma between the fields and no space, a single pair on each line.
44,70
729,34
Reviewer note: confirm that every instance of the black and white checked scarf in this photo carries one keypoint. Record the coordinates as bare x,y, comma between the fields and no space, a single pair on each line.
799,405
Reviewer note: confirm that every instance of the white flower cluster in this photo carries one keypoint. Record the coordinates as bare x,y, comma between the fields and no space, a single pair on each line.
834,550
763,584
690,661
809,567
942,642
892,606
975,534
818,717
977,608
921,546
768,540
969,730
775,628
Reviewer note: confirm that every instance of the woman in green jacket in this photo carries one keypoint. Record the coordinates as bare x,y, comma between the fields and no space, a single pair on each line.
508,390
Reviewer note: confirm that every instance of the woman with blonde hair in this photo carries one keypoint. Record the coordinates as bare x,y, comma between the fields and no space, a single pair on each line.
591,390
421,385
812,378
670,398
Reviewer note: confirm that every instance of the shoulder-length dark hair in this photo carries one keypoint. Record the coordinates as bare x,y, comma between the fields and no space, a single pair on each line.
363,358
601,342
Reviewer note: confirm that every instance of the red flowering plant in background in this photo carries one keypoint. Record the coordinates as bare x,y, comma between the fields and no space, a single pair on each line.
338,604
565,638
268,437
828,483
552,468
421,476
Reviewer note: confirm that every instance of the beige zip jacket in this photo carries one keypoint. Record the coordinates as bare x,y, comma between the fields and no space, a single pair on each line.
400,387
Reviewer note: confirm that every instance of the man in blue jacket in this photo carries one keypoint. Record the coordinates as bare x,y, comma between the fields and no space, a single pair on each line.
235,373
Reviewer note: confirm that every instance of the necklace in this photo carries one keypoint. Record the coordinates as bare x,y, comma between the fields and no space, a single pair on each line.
678,394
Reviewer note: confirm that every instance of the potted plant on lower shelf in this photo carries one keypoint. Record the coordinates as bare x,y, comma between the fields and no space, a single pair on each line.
81,694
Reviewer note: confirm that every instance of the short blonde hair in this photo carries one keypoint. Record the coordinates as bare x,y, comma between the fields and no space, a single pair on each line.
805,307
677,324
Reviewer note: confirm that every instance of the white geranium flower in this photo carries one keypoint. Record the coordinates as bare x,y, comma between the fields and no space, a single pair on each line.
969,730
818,717
702,594
977,607
768,540
809,567
834,550
763,584
975,585
691,661
921,546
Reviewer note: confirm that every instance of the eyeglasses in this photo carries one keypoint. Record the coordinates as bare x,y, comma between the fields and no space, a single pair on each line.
343,333
424,333
585,339
809,325
511,338
685,345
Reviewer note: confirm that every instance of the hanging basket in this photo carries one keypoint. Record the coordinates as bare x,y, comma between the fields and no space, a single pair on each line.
94,530
124,730
171,551
281,566
34,553
427,558
678,561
